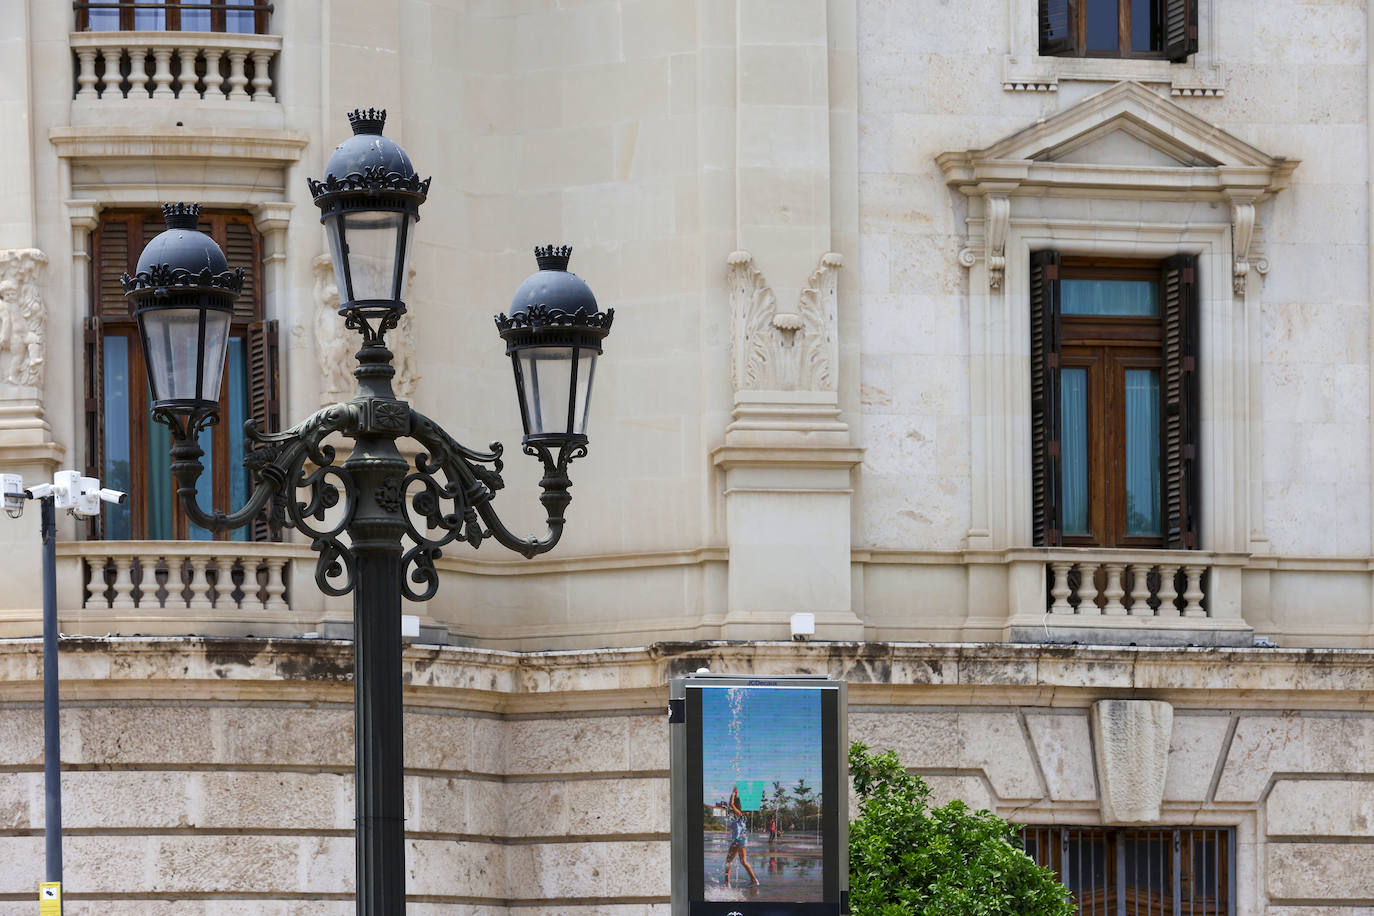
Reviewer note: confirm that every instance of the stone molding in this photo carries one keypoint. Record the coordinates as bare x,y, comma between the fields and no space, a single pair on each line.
278,147
1125,150
783,351
1131,743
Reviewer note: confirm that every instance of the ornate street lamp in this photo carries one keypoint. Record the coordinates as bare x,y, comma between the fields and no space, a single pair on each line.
377,522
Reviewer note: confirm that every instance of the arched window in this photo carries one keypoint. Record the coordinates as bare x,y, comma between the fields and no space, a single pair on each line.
128,451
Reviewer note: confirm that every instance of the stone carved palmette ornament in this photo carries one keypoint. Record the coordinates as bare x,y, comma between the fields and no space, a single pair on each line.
23,317
775,350
334,344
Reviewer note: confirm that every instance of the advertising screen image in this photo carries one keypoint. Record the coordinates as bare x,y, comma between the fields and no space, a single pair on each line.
761,762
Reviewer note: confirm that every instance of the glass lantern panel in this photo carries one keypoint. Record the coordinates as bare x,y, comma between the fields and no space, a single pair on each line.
370,248
174,346
586,374
547,374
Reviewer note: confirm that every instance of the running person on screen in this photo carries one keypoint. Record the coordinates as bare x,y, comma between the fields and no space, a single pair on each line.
739,837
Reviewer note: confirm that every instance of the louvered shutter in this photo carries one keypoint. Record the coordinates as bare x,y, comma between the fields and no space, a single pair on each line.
113,259
1044,358
1181,420
241,248
94,389
1180,29
263,398
1057,26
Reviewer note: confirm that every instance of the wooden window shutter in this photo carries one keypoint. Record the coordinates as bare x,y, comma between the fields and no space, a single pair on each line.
1057,20
112,260
1180,29
1044,358
263,397
241,248
1180,403
94,346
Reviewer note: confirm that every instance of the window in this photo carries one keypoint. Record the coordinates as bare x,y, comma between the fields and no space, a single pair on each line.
1114,401
125,448
242,16
1161,871
1119,28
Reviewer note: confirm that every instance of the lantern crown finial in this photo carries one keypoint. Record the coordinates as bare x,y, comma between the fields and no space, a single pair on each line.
550,257
367,120
181,215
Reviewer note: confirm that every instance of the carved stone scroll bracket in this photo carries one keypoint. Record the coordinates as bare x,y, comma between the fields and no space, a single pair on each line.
997,219
1242,232
774,350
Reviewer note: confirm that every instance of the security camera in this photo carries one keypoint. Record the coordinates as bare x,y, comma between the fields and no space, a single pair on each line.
113,496
803,626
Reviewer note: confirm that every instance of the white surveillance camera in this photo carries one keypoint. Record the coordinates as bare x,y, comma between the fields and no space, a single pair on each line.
113,496
803,626
41,491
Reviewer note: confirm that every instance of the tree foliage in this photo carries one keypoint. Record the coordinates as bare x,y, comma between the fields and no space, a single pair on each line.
909,859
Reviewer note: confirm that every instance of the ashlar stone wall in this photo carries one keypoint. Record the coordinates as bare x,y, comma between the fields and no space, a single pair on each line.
214,776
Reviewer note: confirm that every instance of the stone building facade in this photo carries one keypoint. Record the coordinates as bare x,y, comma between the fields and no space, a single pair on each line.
849,243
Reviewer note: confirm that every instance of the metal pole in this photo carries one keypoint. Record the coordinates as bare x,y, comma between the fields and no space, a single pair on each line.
52,733
377,472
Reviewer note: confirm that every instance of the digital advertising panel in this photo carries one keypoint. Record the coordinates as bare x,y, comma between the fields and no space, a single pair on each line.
759,783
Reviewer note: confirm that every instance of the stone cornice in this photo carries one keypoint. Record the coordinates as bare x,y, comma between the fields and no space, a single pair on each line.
242,144
879,674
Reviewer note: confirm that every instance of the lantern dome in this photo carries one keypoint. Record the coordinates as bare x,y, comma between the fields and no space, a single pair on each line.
367,151
182,246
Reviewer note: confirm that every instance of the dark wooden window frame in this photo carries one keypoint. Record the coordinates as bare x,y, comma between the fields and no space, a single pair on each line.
1169,343
1196,875
261,10
1063,27
1106,346
111,318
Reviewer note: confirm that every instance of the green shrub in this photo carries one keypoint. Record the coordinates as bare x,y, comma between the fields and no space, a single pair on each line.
908,859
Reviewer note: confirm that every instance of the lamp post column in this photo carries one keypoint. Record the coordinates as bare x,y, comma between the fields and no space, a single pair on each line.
377,471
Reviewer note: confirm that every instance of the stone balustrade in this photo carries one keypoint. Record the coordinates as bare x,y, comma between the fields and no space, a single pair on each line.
185,575
212,66
1122,583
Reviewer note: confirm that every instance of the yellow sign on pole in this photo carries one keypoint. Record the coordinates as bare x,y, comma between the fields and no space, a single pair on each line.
50,898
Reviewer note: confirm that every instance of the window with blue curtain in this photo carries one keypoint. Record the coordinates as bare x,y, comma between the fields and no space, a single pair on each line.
1114,391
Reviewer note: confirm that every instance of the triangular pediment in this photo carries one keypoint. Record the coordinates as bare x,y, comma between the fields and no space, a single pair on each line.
1125,135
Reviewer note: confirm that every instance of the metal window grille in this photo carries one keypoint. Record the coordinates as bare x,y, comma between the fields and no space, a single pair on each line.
1187,871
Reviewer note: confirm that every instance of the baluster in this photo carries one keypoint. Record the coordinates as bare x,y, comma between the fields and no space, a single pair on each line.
138,73
1059,588
85,77
186,88
1087,589
1114,592
109,82
1140,591
1167,591
262,78
237,79
276,585
162,73
214,80
123,583
1192,597
200,585
148,587
95,589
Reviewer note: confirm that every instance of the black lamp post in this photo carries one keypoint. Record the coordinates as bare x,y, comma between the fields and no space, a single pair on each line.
377,523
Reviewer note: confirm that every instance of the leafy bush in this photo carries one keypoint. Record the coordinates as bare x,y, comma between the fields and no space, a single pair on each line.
908,859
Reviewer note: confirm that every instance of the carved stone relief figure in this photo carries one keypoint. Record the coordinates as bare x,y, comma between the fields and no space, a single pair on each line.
335,344
23,317
783,351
